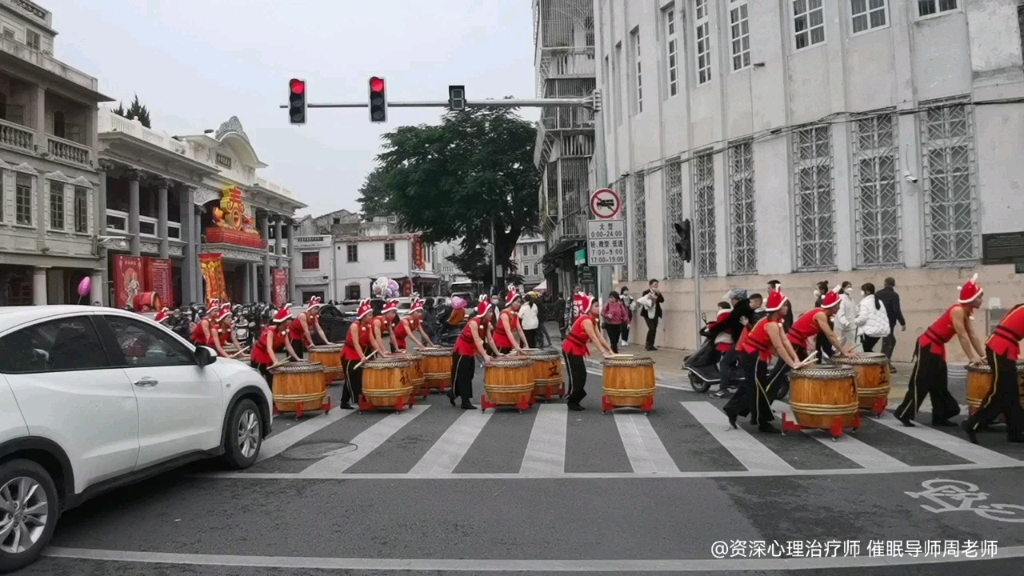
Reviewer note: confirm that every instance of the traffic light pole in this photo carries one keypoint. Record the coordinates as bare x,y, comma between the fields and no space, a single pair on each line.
504,103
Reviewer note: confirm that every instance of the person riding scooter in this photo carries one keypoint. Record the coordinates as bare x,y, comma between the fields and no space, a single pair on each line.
741,315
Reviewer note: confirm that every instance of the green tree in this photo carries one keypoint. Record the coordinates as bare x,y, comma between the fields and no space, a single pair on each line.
136,111
452,180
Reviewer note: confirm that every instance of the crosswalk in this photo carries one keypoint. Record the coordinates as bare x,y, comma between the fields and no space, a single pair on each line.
681,438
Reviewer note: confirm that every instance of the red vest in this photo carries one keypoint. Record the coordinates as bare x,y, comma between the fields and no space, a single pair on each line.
199,336
465,345
804,328
577,339
758,341
940,332
502,339
295,331
348,351
1005,339
260,354
400,333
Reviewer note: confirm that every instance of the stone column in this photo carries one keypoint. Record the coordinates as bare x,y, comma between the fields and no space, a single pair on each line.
197,240
96,288
255,295
267,286
277,236
247,283
190,256
133,211
39,287
161,223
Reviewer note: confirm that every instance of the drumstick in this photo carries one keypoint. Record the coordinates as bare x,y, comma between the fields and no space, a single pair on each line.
370,355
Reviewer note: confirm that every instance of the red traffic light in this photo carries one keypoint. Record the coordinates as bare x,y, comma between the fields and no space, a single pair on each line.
377,84
297,86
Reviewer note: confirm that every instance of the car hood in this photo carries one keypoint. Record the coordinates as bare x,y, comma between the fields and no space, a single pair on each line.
237,374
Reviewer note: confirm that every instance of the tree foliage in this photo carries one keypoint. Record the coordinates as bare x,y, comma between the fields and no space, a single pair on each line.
449,181
136,111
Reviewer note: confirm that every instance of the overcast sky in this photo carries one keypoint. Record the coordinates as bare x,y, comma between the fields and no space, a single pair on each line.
195,63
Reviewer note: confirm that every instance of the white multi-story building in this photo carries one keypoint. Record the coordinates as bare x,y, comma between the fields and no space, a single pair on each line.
49,177
366,251
314,269
528,259
813,140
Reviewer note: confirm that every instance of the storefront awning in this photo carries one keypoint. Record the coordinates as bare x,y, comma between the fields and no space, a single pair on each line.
561,248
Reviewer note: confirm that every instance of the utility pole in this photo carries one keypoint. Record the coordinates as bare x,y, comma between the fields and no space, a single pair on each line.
494,258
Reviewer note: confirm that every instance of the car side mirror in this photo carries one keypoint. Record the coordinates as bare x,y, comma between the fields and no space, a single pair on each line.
204,356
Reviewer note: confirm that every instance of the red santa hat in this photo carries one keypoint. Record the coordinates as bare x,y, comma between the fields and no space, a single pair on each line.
224,312
484,307
162,316
971,291
513,295
831,298
417,305
390,306
214,306
365,307
315,303
283,315
775,301
587,302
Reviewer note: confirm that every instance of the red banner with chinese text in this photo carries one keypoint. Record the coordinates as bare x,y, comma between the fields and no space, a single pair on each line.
417,253
128,279
212,267
280,288
160,279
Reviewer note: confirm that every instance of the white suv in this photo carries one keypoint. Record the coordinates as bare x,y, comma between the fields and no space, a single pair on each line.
95,398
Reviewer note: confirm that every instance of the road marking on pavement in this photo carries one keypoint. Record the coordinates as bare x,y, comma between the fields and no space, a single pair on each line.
371,439
751,453
448,451
952,444
545,452
853,449
276,444
486,565
646,452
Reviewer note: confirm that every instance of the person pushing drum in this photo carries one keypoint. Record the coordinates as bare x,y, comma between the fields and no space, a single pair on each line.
408,327
1002,351
274,339
584,330
804,333
508,334
358,342
470,343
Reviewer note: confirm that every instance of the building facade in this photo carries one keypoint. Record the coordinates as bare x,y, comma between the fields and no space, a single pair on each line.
812,141
366,251
529,260
314,267
49,174
565,62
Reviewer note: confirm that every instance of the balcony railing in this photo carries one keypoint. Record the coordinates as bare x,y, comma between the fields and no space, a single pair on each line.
48,63
117,223
148,226
110,122
567,118
276,188
68,151
562,64
17,136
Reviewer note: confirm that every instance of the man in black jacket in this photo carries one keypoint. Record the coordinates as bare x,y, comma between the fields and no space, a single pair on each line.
891,300
654,315
742,315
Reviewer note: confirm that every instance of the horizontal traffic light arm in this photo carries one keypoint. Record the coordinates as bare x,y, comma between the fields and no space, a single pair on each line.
503,103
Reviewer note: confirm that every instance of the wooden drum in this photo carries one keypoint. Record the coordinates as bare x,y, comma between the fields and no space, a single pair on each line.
386,384
628,383
415,372
824,398
437,368
873,380
330,356
548,379
508,381
299,387
979,384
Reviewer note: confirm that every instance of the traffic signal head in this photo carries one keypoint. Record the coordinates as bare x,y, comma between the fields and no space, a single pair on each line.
457,98
297,101
684,247
378,100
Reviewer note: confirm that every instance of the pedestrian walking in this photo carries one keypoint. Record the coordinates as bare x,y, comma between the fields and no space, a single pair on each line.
358,346
872,320
627,301
615,318
529,318
847,314
652,313
1002,352
891,300
584,330
469,344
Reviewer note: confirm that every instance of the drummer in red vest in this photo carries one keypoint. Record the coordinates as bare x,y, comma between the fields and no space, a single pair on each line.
469,344
929,375
411,327
757,346
227,332
356,350
273,339
301,331
382,326
584,329
163,316
508,334
1002,352
207,331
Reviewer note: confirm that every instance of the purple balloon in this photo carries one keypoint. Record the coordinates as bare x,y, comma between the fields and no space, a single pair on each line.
84,286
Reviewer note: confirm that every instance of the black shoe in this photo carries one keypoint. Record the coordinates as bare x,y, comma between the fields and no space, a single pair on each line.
468,406
966,425
346,406
451,398
906,422
651,349
732,420
576,407
721,394
767,428
944,423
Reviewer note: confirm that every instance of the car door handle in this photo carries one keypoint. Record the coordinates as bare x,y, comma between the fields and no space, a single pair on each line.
146,382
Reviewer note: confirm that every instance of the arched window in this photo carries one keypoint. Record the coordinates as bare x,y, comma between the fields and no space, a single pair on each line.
59,126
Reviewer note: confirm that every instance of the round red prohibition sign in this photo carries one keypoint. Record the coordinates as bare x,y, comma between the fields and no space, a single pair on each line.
605,203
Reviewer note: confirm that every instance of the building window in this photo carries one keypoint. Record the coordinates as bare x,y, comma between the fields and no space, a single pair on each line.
814,199
81,210
534,249
32,39
311,260
526,249
951,218
674,203
23,200
868,15
703,42
224,161
60,129
743,231
808,22
639,228
672,46
877,203
929,7
639,94
353,252
739,33
56,205
353,292
704,208
8,33
389,251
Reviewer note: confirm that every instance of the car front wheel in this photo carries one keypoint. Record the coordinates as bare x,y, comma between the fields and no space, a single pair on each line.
28,513
245,435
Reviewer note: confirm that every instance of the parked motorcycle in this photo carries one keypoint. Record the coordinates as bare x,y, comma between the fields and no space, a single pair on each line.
703,366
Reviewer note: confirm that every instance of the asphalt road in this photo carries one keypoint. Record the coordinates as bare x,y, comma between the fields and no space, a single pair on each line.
436,490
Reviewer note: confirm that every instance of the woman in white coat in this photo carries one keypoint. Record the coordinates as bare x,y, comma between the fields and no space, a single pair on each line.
845,316
872,319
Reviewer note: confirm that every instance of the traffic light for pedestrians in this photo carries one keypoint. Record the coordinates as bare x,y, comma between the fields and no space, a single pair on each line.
684,247
297,101
457,98
378,100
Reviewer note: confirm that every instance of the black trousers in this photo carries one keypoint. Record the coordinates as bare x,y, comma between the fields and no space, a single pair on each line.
1004,398
652,331
300,348
928,377
463,370
780,373
823,347
353,381
625,331
576,372
265,373
531,337
725,368
869,343
753,397
889,343
614,332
